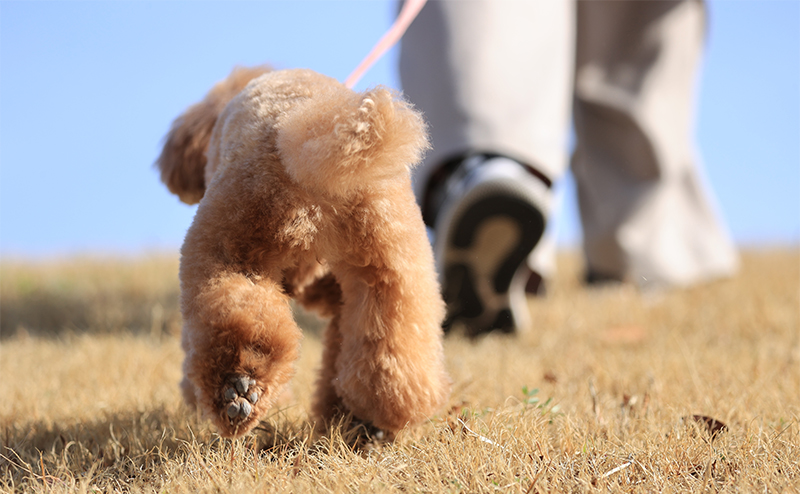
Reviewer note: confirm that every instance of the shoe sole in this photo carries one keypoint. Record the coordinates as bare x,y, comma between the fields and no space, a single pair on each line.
492,232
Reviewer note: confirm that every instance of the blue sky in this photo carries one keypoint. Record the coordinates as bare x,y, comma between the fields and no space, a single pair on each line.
88,90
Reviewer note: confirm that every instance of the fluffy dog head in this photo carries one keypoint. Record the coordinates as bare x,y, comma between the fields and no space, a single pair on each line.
183,158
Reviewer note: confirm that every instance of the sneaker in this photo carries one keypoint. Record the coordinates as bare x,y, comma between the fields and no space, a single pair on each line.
491,215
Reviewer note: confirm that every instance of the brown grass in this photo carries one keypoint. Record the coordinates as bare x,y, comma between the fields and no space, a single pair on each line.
690,390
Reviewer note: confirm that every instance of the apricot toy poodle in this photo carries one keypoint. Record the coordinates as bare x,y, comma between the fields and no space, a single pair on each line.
304,191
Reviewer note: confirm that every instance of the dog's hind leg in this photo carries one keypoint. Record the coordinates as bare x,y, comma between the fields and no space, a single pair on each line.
389,370
327,405
324,295
390,366
243,344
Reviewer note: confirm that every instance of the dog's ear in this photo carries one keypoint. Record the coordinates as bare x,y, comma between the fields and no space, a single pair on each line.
183,159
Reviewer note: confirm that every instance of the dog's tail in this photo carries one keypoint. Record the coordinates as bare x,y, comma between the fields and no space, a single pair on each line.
342,141
183,158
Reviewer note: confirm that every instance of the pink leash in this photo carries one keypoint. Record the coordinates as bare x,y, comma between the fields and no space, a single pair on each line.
407,14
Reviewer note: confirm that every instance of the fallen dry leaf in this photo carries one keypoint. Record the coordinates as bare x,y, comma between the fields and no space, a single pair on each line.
550,377
708,424
625,335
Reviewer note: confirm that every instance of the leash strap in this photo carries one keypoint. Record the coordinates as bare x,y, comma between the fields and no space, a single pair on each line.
407,14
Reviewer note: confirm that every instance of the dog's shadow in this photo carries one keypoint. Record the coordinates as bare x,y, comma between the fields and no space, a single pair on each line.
133,445
44,450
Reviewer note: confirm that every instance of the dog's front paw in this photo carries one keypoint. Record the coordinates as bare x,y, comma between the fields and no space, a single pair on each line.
238,397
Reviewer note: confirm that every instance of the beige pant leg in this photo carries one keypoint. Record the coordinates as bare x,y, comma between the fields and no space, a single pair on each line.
492,75
647,214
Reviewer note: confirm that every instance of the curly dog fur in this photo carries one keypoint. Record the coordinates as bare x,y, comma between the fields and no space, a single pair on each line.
304,191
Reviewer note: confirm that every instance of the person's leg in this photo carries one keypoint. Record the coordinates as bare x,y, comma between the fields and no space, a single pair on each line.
647,215
493,79
492,76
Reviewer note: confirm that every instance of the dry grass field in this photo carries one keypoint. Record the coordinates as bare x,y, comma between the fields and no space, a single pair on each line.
615,390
